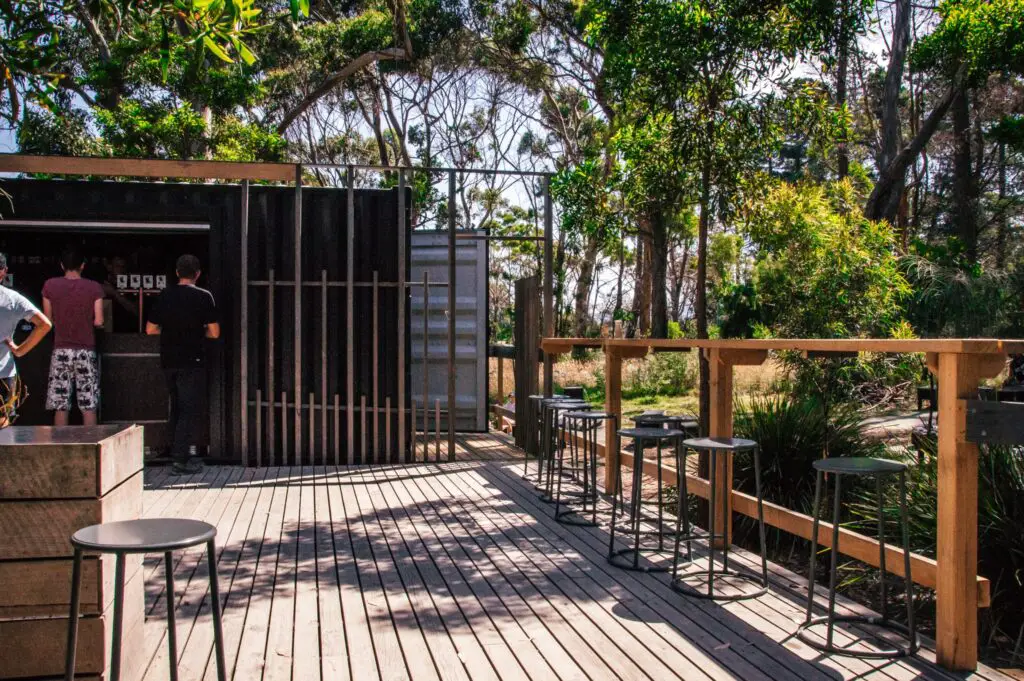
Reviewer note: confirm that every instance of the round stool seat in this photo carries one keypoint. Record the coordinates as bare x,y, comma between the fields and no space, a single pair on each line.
858,465
650,433
148,535
646,419
720,443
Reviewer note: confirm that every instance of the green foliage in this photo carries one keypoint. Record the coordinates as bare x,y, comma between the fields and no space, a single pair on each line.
584,197
1000,507
792,433
820,270
983,36
953,296
669,374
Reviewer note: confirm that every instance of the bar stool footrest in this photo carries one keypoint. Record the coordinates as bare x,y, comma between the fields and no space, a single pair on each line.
617,559
875,621
680,586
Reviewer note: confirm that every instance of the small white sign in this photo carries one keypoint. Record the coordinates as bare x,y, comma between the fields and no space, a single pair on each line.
136,280
147,281
161,281
122,281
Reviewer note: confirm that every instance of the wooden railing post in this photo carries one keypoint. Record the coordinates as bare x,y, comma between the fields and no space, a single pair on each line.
612,405
956,555
721,426
722,361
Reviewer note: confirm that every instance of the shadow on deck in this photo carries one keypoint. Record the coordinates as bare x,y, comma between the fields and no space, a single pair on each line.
451,571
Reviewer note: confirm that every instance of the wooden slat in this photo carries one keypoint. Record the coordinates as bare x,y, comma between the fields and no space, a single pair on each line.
67,470
333,657
155,168
418,567
488,627
253,646
358,634
537,650
390,661
42,529
630,637
237,568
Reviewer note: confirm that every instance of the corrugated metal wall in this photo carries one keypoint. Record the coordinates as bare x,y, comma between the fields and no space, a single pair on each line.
430,257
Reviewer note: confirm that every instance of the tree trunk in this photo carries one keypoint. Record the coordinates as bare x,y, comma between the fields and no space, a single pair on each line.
617,312
888,203
964,214
659,265
700,304
584,283
1002,225
842,151
559,291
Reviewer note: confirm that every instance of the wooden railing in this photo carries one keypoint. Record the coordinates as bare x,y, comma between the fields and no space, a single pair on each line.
958,364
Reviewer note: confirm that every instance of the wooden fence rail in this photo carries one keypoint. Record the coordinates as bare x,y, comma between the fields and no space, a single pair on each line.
958,364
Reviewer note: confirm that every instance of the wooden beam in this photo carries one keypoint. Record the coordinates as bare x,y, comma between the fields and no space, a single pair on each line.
977,346
956,599
612,405
153,168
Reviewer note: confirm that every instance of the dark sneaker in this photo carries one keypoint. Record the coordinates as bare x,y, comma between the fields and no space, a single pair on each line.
178,468
194,465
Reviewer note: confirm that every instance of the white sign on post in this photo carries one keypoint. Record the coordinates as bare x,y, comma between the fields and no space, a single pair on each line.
122,281
161,281
147,281
136,280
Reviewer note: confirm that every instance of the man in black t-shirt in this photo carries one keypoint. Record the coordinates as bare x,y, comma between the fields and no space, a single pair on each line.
184,316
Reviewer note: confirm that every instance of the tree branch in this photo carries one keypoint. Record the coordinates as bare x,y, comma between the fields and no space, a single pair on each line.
888,179
333,80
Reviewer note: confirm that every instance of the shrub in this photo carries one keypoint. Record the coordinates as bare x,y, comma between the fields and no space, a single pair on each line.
792,433
1000,540
669,374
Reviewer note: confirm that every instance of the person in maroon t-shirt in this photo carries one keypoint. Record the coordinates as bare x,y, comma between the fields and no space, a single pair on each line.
76,307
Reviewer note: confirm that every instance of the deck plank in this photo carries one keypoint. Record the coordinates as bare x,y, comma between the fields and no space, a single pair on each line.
413,599
306,646
563,647
390,659
455,571
358,633
237,568
253,648
192,584
451,581
334,662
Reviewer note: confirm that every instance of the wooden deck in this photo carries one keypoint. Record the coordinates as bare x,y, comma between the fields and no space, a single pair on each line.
450,571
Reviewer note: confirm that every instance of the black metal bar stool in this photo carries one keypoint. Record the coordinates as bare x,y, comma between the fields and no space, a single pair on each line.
150,535
533,441
716,447
582,429
879,469
629,558
555,440
659,419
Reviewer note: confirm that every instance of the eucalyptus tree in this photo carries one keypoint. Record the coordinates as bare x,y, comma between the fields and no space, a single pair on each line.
712,68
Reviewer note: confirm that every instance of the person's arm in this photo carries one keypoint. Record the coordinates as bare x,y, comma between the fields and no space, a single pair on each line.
97,312
47,308
40,327
210,319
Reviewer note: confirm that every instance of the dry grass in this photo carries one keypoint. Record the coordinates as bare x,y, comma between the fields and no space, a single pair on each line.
748,381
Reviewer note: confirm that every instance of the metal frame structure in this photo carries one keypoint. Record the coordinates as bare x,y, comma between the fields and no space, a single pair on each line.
289,172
